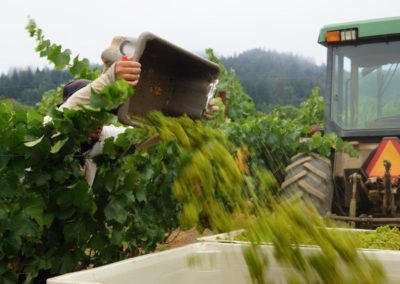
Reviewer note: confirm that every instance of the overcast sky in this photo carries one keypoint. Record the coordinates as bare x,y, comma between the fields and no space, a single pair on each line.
227,26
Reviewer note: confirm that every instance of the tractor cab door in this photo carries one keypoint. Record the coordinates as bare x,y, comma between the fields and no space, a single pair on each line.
364,89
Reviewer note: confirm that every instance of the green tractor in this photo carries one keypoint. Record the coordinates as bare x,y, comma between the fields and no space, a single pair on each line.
362,99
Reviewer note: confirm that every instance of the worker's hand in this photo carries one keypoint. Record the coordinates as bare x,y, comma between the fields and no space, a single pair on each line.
128,70
212,108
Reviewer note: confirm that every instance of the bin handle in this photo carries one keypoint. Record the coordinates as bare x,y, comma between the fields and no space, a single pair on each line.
211,93
127,49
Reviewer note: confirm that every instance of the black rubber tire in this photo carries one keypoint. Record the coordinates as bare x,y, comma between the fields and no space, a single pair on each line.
310,176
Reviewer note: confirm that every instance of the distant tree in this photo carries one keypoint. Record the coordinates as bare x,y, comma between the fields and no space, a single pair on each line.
272,78
27,86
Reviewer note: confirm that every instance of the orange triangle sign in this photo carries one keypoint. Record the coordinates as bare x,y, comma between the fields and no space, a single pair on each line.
388,149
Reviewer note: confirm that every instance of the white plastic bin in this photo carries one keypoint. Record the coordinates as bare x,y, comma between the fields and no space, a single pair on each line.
204,262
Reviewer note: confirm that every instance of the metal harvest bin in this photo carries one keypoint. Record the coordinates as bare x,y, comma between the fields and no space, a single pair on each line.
173,80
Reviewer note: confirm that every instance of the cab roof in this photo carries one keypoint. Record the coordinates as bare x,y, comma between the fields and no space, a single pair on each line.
365,29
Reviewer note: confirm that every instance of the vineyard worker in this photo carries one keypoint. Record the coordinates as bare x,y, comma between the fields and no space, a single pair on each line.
77,93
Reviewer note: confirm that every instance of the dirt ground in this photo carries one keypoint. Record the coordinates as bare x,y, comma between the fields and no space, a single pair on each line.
180,238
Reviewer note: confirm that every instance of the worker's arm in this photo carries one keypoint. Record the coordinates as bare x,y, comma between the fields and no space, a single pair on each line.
128,70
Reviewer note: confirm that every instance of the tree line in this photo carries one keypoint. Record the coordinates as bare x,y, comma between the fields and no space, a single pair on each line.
27,86
270,78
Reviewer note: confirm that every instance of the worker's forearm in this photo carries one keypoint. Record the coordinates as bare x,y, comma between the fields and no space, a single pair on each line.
82,96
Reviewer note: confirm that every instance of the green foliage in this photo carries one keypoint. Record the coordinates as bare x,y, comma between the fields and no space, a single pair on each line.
43,187
311,111
50,219
50,99
112,95
17,105
238,103
61,58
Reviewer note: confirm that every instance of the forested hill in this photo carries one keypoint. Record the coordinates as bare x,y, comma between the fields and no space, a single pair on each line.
27,86
272,78
269,77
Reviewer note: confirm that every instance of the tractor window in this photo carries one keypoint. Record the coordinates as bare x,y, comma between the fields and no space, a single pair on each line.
366,86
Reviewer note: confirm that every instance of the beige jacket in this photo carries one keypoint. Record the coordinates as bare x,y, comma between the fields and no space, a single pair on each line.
82,96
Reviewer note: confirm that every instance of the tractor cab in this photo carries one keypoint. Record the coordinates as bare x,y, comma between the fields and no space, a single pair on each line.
363,88
363,107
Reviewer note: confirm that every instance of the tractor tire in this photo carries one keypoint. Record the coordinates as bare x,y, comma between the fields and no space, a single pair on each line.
310,177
